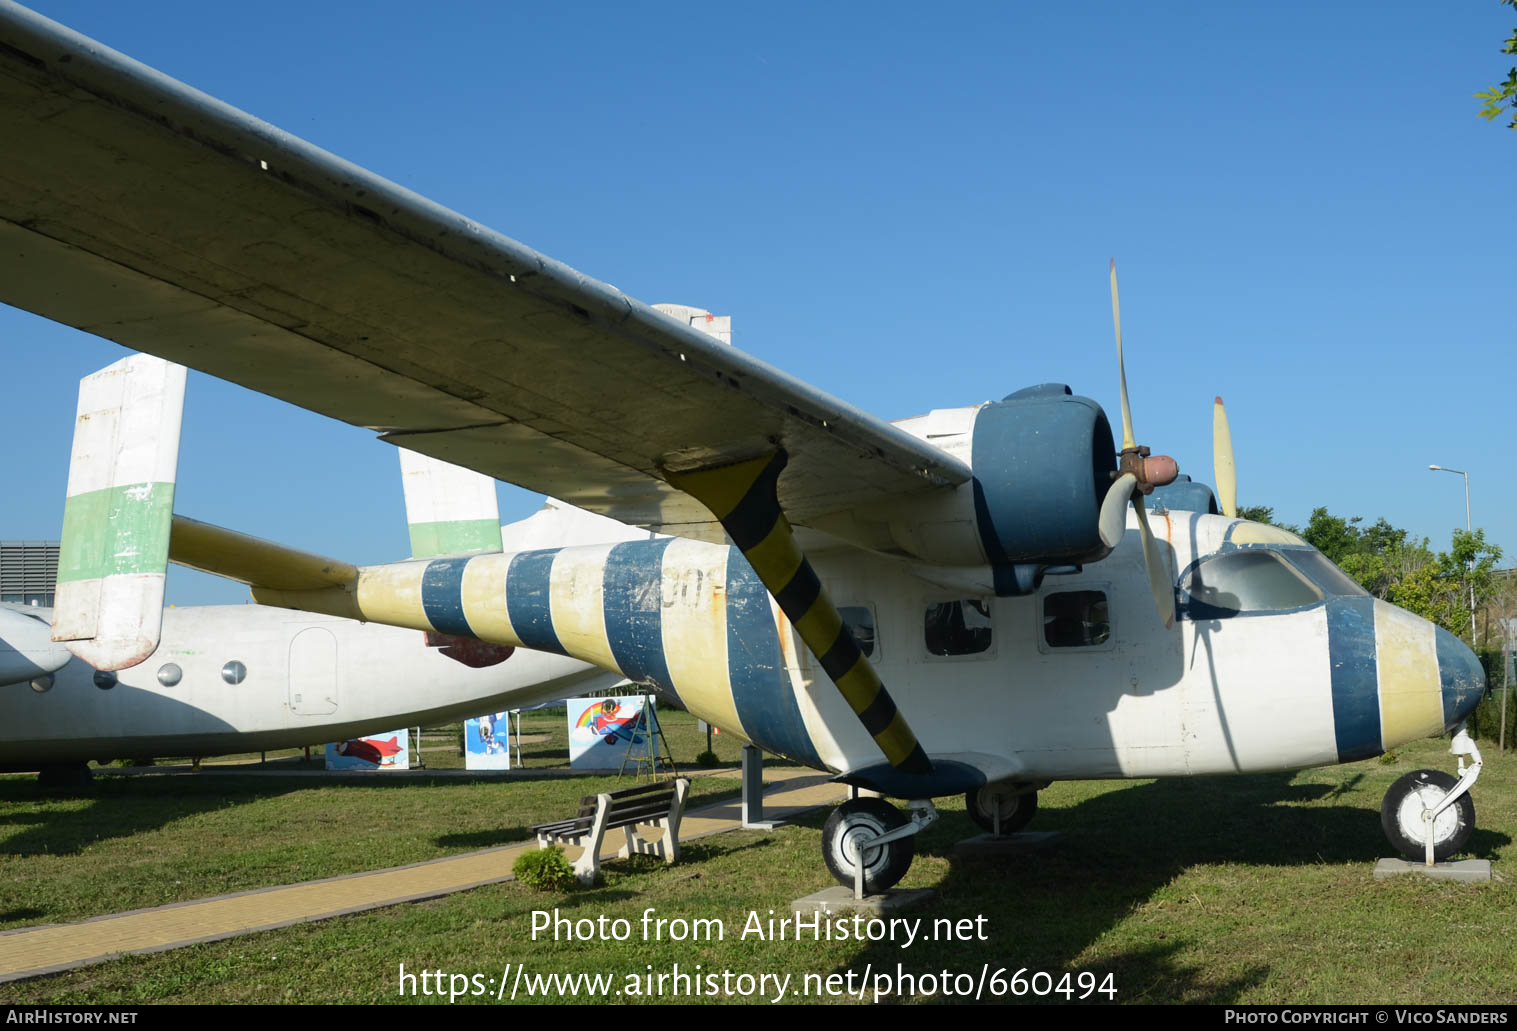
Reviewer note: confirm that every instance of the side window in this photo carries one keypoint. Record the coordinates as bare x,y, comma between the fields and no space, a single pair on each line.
858,620
957,627
1076,619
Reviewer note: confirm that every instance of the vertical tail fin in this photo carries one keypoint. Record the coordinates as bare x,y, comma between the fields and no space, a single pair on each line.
450,510
113,555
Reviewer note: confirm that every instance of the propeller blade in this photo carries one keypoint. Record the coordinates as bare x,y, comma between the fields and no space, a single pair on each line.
1222,460
1114,509
1128,440
1158,573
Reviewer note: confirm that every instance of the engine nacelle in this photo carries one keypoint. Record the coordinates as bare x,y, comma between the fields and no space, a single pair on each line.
1043,460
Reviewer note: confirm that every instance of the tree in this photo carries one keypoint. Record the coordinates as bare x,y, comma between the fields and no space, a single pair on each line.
1504,95
1387,562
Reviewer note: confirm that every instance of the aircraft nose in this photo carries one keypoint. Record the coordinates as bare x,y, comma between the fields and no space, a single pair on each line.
1462,675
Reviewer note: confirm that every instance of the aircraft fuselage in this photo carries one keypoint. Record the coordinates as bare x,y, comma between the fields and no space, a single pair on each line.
1038,688
294,679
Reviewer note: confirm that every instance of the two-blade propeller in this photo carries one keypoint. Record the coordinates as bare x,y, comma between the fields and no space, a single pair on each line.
1138,473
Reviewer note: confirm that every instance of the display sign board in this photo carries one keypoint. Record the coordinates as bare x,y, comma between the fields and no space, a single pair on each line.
384,751
487,742
601,730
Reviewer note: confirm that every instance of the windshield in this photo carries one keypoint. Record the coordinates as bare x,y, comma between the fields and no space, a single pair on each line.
1328,576
1244,582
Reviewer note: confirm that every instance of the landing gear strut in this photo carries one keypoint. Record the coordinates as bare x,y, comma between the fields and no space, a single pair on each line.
1000,809
875,830
1427,814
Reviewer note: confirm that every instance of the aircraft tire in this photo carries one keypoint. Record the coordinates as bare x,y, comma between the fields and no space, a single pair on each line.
1401,815
885,864
1016,810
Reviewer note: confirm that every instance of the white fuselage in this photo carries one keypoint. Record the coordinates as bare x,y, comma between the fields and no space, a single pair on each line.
309,679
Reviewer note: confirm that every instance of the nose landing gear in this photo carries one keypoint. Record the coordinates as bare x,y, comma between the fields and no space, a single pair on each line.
1429,815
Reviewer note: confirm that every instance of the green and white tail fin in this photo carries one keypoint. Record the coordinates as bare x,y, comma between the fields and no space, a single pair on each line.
113,556
450,510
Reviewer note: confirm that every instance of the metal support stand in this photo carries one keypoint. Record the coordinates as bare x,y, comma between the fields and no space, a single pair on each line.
657,752
753,790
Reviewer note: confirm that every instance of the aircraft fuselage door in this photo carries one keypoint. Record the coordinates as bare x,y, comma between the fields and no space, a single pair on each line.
313,672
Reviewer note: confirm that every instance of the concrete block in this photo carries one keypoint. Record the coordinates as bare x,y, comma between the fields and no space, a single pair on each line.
1471,871
988,846
839,899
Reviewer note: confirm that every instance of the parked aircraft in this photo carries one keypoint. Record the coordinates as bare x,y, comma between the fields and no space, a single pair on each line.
234,678
975,557
244,678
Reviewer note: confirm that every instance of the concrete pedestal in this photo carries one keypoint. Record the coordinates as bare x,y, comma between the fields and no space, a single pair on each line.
988,846
1472,871
839,899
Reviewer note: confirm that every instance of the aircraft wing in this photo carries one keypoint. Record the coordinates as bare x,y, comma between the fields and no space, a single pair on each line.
141,210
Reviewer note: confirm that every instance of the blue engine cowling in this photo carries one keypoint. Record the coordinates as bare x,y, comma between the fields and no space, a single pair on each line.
1043,460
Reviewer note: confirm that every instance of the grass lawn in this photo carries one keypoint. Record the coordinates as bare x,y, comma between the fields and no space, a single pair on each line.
1248,889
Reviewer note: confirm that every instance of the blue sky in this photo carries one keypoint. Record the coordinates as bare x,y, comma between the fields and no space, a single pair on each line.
911,207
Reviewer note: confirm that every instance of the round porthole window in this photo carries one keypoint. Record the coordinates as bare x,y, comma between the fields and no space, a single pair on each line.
170,674
104,680
43,684
234,672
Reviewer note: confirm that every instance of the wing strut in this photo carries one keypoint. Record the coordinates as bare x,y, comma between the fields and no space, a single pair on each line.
744,498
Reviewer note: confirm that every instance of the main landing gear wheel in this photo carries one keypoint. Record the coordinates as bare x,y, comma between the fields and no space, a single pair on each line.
1401,815
860,820
1015,810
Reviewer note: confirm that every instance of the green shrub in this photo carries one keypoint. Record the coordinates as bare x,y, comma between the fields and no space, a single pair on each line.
707,758
545,869
1485,721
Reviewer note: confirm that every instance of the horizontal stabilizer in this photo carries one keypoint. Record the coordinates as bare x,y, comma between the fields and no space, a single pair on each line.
114,551
254,561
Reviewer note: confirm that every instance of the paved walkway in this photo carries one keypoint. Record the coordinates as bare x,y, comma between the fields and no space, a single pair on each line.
31,951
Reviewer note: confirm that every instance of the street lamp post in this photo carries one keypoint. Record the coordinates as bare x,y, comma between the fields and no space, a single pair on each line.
1467,529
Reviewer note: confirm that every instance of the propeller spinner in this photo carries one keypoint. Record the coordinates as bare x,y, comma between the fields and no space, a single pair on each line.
1138,473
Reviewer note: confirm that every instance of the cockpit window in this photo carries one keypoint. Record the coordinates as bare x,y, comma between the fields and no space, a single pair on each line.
1328,576
1239,582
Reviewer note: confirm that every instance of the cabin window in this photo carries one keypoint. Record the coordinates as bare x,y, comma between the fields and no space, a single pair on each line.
104,680
43,684
859,621
170,674
234,672
1248,581
957,627
1076,619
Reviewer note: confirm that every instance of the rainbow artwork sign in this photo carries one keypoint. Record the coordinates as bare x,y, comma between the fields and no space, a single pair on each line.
601,730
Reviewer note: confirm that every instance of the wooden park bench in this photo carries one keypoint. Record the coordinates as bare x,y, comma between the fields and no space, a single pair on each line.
657,805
